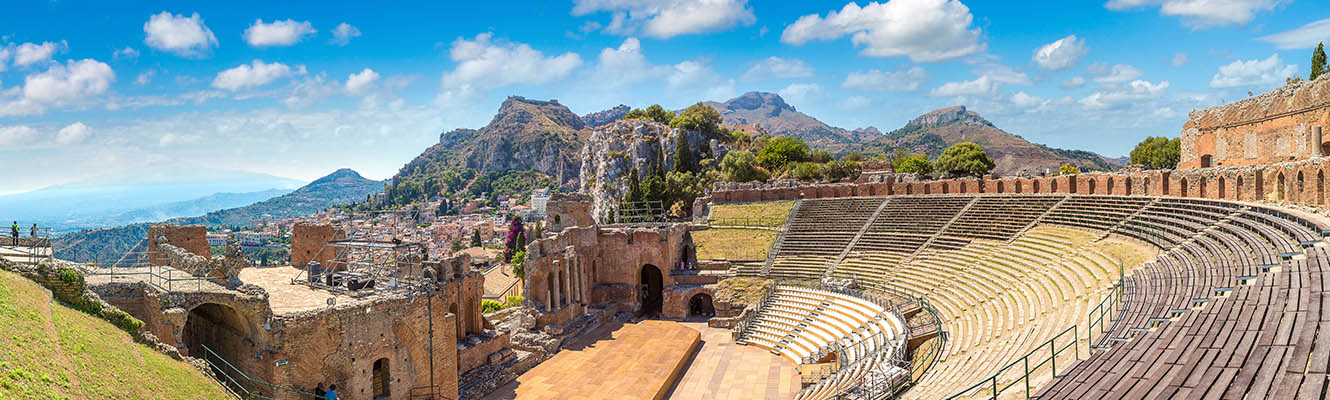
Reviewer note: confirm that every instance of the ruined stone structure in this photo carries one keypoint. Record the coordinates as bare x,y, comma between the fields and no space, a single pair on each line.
621,269
191,238
1286,124
308,243
568,210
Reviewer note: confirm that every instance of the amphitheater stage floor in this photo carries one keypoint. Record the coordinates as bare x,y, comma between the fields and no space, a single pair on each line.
724,370
637,361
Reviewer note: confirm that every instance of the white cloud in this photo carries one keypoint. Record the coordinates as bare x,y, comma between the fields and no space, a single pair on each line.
697,80
1179,60
924,30
981,86
74,133
668,18
73,82
776,67
1026,101
362,81
1118,73
856,102
17,135
1002,74
1201,13
1073,83
485,63
343,34
1136,91
1268,72
1303,37
184,36
1060,54
145,77
256,73
4,57
277,33
800,93
311,90
127,53
625,65
875,80
32,53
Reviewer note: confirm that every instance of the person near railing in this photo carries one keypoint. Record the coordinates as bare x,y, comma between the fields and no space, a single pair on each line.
34,230
13,232
331,394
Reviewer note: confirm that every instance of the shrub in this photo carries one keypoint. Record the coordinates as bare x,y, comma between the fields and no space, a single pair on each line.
699,118
806,171
916,164
1157,152
1068,169
741,166
513,301
489,306
781,151
519,258
965,158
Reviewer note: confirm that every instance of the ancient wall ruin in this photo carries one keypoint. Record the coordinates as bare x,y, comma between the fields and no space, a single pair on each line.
568,210
192,238
1285,124
308,243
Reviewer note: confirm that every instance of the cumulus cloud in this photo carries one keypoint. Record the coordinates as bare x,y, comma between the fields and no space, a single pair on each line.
183,36
343,34
1200,14
360,82
696,79
924,30
1136,91
1268,72
311,90
776,67
878,81
1073,83
625,65
69,83
17,135
487,63
277,33
32,53
1118,73
801,93
127,53
1061,54
4,57
74,133
1179,60
668,18
981,86
1303,37
257,73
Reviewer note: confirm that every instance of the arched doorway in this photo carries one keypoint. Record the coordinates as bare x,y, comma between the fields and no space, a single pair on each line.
381,379
1036,187
1092,188
700,306
1126,186
999,187
1206,160
216,332
1299,190
651,290
1110,186
1222,191
1237,189
1053,185
1201,188
1182,189
1280,187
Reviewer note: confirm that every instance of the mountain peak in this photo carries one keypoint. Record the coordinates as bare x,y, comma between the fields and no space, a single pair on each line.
519,110
947,116
340,174
759,100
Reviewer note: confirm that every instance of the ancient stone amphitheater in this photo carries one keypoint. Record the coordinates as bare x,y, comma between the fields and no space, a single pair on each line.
1046,295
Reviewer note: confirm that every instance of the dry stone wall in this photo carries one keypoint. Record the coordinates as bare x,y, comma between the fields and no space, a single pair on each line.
1285,124
308,243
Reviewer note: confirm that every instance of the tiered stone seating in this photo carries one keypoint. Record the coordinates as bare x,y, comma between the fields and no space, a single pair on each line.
798,323
1000,217
819,231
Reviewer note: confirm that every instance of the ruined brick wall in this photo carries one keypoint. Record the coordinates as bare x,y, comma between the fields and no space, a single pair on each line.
1278,126
307,243
192,238
568,210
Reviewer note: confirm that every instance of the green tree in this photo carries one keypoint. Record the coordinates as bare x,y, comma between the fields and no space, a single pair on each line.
741,166
805,171
519,264
782,150
1068,169
475,238
916,164
1318,61
654,113
820,156
965,158
699,118
634,186
683,156
457,244
1157,152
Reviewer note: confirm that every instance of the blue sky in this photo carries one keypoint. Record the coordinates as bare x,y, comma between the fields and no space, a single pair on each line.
300,89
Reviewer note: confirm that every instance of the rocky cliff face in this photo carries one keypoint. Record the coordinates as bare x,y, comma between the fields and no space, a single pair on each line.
772,114
947,116
602,118
613,150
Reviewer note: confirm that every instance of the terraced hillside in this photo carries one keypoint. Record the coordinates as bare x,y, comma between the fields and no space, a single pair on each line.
51,351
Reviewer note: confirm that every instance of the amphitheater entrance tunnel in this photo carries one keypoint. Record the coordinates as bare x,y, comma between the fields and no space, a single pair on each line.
651,290
216,332
700,306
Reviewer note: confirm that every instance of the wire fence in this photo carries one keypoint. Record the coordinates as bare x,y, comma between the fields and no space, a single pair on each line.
242,383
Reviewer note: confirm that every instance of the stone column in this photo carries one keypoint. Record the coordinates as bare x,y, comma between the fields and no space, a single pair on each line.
555,271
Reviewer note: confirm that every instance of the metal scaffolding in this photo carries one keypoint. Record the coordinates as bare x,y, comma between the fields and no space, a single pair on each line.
372,260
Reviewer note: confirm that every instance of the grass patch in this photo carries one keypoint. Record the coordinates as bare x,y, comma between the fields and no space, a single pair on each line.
1129,253
733,243
741,290
765,213
51,351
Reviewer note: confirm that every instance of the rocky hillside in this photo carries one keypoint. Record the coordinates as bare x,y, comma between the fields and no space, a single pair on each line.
613,150
769,112
934,131
602,118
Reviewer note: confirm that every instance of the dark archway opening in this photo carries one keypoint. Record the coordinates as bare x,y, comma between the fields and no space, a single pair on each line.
1223,191
1279,188
217,334
651,290
1182,187
1206,160
1299,190
700,306
381,379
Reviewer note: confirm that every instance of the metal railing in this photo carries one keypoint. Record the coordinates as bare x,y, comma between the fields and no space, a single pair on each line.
993,386
237,379
1102,315
743,325
167,279
760,222
30,246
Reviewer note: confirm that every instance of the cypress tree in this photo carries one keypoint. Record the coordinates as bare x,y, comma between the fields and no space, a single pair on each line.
1318,61
683,157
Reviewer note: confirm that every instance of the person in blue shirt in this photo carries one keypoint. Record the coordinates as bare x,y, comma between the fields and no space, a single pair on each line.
332,393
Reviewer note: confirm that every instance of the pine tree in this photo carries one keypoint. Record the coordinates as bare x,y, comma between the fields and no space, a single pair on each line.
1318,61
683,157
634,186
475,238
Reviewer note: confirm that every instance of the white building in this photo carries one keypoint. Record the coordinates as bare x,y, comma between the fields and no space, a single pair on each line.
539,199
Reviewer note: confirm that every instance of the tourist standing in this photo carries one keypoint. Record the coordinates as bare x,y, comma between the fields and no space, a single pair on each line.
34,230
332,392
13,231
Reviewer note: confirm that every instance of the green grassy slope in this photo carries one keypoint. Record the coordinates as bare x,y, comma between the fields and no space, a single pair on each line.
51,351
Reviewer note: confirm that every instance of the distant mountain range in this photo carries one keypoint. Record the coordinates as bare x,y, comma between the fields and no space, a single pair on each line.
106,245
